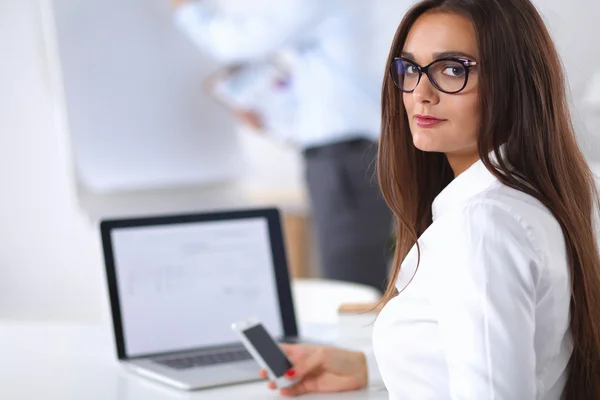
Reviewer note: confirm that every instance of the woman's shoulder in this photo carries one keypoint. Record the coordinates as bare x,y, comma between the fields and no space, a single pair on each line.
505,209
504,224
520,205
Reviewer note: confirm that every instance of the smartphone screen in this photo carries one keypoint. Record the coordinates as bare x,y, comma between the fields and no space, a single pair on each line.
268,349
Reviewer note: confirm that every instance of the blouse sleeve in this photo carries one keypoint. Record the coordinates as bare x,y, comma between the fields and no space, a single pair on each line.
486,301
374,377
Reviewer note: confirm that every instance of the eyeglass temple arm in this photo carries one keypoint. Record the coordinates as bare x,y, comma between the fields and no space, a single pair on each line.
466,62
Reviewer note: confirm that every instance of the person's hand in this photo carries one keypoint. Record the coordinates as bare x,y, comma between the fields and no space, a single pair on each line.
323,369
250,118
177,3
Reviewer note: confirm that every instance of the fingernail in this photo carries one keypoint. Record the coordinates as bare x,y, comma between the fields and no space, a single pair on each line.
291,373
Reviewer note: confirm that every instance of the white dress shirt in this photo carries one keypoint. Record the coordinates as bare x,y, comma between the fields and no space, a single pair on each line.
486,315
337,66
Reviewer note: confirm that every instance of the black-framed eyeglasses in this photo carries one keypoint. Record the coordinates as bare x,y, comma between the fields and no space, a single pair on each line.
448,75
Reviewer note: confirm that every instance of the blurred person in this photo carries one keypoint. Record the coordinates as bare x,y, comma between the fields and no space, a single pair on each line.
495,288
336,78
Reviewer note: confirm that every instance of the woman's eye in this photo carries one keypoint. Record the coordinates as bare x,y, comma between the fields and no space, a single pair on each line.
410,69
453,70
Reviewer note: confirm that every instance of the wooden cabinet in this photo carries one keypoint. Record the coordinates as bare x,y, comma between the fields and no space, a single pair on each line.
296,231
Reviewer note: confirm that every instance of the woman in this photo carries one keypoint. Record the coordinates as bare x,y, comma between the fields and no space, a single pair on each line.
500,297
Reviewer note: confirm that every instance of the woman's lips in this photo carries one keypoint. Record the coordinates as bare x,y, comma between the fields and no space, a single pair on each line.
427,121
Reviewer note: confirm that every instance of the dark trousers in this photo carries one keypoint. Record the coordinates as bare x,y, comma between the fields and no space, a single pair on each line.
353,223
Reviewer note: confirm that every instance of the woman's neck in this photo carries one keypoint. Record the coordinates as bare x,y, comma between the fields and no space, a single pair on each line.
461,162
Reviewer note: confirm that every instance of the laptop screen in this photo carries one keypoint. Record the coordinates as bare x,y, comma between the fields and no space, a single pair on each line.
181,285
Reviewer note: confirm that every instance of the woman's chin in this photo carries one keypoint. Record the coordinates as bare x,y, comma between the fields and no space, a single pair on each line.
427,145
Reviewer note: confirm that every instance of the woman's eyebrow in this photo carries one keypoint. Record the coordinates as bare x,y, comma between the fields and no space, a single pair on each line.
408,55
452,54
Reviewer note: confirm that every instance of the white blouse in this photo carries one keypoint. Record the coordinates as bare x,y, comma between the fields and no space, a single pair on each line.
486,315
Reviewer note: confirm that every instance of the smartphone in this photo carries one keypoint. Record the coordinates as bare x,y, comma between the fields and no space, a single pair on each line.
265,350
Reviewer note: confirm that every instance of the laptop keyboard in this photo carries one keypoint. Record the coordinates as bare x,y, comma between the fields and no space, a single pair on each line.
220,356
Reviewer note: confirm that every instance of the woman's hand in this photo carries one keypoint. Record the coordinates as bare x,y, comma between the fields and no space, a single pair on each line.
323,369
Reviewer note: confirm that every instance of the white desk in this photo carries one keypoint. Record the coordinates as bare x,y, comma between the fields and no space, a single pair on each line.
78,362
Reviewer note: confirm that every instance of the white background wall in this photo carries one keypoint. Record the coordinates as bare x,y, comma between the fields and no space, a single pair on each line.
50,261
49,253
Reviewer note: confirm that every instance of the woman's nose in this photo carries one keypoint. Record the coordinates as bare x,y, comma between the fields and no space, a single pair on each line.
425,92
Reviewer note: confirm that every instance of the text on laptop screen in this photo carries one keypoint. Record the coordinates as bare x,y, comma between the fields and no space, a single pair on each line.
181,286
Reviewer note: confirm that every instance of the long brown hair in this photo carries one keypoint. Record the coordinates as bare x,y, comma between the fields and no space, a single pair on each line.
523,107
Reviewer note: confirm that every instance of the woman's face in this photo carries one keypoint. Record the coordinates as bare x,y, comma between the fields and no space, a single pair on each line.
440,122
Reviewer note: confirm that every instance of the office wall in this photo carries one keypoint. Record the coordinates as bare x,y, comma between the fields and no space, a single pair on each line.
574,28
49,253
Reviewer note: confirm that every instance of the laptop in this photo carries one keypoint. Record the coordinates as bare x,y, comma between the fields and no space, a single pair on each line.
177,283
